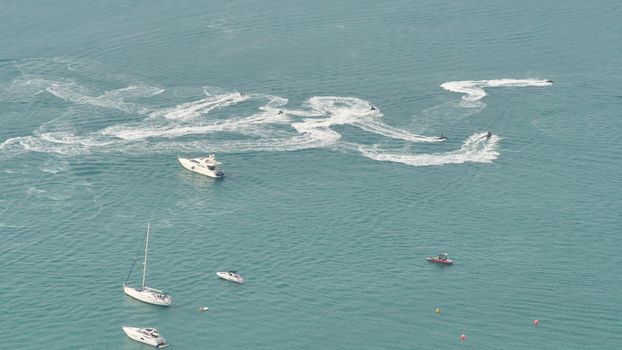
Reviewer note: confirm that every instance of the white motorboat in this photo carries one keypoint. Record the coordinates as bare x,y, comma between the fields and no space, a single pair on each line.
232,276
203,308
149,336
208,166
144,293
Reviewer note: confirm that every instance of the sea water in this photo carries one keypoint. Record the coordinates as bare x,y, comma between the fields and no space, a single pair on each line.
329,208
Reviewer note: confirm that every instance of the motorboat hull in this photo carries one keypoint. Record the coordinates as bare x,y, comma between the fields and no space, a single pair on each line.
148,296
134,333
187,164
439,261
226,276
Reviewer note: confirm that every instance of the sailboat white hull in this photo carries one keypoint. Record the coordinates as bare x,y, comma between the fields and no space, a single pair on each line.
148,295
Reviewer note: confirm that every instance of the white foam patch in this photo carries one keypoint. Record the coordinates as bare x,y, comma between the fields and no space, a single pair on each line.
171,131
273,126
394,133
253,125
273,101
71,139
477,148
54,167
34,191
473,90
72,92
350,111
311,127
194,109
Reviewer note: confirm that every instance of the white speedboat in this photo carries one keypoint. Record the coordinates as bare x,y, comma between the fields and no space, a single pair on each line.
232,276
208,166
149,336
144,293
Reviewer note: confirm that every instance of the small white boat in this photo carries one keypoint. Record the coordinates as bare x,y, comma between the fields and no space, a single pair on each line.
208,166
232,276
144,293
149,336
203,308
148,295
440,259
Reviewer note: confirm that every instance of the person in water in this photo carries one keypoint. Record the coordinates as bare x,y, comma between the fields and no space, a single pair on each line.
280,111
442,137
372,108
488,135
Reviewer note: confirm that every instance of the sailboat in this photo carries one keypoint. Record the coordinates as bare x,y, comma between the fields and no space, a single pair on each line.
144,293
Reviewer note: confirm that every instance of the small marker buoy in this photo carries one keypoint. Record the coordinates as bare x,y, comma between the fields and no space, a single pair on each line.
438,310
462,338
535,323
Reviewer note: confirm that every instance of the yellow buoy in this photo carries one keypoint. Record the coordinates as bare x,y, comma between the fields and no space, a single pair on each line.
438,310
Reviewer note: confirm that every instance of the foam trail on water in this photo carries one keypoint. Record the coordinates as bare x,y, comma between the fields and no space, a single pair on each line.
314,130
70,91
355,112
43,143
264,124
194,109
251,125
142,132
273,103
477,148
473,90
392,132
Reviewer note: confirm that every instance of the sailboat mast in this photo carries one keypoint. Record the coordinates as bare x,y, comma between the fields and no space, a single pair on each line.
145,262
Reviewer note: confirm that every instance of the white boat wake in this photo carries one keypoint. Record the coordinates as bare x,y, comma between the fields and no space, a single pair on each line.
478,148
227,122
473,90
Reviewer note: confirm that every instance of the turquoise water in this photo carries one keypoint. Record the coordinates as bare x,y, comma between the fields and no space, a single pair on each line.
328,209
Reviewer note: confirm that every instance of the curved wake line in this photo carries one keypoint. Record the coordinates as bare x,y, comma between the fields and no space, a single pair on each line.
70,91
473,90
194,109
170,128
477,148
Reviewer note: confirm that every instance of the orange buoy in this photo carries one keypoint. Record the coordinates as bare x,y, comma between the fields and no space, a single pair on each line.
535,323
462,338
